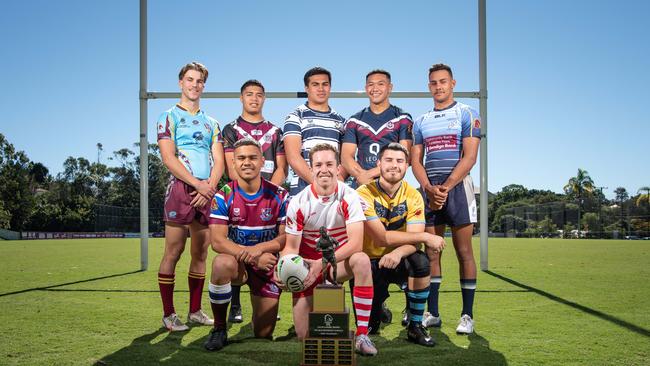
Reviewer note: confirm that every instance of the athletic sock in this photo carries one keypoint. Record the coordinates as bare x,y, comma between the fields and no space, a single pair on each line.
362,298
417,299
234,302
219,300
195,282
404,288
166,286
468,288
434,291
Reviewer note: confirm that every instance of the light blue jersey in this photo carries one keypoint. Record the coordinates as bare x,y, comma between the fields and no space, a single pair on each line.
193,135
442,132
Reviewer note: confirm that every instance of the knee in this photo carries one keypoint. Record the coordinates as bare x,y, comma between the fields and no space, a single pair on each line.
465,253
224,264
173,251
360,264
419,265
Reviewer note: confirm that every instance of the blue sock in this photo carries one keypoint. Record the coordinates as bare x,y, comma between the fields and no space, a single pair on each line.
417,299
468,288
434,289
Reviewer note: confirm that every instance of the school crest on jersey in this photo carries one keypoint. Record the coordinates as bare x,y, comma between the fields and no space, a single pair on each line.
266,214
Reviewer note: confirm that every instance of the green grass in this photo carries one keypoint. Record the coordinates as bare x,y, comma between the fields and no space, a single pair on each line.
546,301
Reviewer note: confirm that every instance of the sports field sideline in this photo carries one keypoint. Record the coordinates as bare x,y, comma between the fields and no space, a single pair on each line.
544,301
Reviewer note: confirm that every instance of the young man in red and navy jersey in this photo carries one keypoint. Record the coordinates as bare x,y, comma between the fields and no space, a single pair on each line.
192,151
252,125
330,203
247,228
445,147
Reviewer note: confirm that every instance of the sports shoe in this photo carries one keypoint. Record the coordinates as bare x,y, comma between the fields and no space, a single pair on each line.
235,315
429,320
173,323
405,317
386,314
277,317
199,317
217,339
364,346
417,334
466,325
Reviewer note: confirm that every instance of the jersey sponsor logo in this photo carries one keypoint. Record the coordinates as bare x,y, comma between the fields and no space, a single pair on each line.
252,238
198,136
266,214
235,211
182,120
454,125
256,132
442,142
172,214
195,122
438,115
325,199
477,123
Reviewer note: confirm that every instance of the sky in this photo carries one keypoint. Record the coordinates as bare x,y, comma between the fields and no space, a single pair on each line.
567,80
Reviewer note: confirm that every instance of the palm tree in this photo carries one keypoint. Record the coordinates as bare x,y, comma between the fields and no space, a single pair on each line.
643,197
577,187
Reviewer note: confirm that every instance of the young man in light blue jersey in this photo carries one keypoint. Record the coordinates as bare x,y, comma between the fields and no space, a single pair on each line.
448,135
310,124
190,148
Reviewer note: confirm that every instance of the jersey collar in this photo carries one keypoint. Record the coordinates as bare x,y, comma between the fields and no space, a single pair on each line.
324,199
452,105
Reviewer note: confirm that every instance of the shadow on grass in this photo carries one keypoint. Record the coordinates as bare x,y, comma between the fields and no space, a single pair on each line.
142,351
45,288
588,310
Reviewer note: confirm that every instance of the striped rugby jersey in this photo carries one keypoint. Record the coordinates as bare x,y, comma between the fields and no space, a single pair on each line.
404,208
313,127
308,211
442,132
193,135
251,219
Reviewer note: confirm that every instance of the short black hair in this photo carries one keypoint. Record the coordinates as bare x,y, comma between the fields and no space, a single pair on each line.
317,71
247,142
251,82
438,67
378,71
395,146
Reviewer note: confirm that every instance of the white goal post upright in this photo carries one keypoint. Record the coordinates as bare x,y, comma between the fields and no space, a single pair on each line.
145,95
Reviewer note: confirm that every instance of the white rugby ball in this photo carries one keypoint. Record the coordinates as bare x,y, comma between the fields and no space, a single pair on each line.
292,270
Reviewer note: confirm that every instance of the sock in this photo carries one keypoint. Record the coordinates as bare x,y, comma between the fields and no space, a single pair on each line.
195,282
234,301
434,290
404,288
219,300
166,285
362,298
467,289
417,299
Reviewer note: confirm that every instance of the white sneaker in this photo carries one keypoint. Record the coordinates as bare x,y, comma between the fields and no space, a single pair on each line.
199,317
466,325
173,323
428,320
364,346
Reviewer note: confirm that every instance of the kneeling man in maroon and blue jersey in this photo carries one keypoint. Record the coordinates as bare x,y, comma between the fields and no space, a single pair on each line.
247,228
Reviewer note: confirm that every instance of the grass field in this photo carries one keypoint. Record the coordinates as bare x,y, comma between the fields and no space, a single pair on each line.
545,301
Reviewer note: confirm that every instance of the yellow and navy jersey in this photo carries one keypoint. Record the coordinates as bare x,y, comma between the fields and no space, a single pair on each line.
404,208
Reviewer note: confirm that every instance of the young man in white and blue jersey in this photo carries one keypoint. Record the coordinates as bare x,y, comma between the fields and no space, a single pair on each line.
310,124
448,136
192,151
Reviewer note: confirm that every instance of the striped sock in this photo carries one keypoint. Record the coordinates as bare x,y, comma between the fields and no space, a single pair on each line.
219,300
195,282
166,286
467,289
362,298
434,290
417,299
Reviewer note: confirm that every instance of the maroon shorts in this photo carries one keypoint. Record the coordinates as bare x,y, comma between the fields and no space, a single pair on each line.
261,282
177,205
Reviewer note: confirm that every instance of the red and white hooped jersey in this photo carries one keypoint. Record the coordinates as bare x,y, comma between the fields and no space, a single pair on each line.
308,211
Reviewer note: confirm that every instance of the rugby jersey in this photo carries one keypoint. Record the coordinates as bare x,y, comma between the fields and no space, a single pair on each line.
404,208
442,132
266,133
193,135
308,211
313,127
370,131
251,219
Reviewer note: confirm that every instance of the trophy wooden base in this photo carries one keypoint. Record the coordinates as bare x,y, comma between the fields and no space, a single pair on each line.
329,351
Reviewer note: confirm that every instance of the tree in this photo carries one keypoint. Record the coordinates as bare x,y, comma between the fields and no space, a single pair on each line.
15,185
621,195
643,198
578,187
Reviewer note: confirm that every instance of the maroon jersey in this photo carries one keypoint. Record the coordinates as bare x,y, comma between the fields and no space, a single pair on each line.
266,133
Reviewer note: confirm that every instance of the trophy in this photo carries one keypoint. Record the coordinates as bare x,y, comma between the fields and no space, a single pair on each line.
329,341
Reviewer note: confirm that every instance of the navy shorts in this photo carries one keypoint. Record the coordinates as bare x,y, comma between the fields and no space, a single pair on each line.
459,209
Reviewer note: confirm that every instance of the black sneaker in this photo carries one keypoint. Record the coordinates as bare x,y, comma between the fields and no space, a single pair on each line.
418,334
235,315
386,314
217,339
405,317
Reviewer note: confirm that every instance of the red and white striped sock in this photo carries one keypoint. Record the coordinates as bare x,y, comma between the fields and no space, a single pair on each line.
362,298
